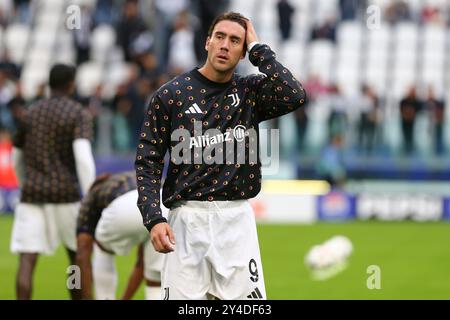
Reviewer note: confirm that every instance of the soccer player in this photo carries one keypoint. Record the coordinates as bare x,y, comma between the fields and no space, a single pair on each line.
54,164
216,254
110,218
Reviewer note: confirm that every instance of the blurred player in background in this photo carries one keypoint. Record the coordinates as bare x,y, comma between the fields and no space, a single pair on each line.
54,164
110,218
217,251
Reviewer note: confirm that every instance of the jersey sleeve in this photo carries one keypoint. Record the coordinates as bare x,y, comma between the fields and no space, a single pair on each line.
153,144
84,126
278,92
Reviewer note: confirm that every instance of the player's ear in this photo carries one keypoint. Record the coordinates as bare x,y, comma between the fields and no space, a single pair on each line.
208,41
243,54
244,51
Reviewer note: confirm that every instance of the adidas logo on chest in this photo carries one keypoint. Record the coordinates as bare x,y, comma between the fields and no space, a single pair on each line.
194,109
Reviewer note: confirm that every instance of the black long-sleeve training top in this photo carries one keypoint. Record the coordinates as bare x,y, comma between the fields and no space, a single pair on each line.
210,130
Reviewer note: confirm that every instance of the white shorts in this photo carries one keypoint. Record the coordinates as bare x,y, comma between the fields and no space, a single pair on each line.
153,263
216,253
120,229
40,228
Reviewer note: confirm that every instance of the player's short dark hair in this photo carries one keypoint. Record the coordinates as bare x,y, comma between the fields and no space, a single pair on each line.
230,16
61,75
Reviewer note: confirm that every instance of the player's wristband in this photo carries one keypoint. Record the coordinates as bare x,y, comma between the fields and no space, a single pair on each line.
155,222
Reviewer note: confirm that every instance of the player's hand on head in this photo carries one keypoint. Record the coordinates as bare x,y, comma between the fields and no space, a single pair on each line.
251,35
162,237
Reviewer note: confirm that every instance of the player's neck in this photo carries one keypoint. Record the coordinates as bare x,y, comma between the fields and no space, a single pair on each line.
58,93
210,73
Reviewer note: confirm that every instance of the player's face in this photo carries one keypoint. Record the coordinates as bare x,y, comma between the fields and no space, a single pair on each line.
226,45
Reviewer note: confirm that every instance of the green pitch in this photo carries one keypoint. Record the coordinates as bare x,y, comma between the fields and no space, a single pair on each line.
414,260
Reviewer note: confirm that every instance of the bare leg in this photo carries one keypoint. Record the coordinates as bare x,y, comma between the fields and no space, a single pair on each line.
24,278
75,294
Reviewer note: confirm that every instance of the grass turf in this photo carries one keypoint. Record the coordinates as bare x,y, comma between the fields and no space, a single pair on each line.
414,259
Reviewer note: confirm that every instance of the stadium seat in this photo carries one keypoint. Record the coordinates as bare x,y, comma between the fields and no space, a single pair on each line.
302,19
1,38
39,56
348,58
88,3
325,9
433,57
292,56
64,40
266,14
347,71
43,38
50,20
349,35
403,79
116,55
434,38
117,74
318,128
103,39
16,41
64,56
33,75
89,76
406,35
64,47
53,5
321,54
269,29
383,4
405,54
376,57
405,59
379,39
303,5
247,8
376,78
348,81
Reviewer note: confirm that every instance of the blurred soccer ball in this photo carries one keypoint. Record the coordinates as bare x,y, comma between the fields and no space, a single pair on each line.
332,252
339,246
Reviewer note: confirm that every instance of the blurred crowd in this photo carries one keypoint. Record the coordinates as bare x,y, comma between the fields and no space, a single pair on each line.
169,39
394,12
165,41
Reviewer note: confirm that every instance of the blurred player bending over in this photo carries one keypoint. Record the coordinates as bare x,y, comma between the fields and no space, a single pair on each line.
216,253
110,218
53,161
